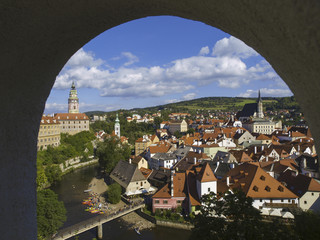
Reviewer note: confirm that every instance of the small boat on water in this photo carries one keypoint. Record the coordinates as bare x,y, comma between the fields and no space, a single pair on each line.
87,190
137,231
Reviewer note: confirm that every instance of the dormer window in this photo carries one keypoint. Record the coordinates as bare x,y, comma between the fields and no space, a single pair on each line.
267,188
255,188
280,188
262,177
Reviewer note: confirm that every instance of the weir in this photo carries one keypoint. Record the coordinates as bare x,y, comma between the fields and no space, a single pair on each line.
96,221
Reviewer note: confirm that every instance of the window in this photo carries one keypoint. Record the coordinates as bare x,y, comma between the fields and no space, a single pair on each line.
305,202
165,202
157,201
208,189
312,194
280,188
255,188
267,188
263,178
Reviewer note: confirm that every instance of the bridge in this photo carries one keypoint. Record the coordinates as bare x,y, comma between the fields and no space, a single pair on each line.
95,221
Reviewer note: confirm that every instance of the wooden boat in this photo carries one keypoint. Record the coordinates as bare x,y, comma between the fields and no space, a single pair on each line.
137,231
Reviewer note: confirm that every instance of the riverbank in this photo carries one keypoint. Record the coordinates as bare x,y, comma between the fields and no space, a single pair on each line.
132,220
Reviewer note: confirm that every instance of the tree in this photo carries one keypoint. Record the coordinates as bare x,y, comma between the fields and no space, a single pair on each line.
51,213
232,216
114,193
109,153
53,173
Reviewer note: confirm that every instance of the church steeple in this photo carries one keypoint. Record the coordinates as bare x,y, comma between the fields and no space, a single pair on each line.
259,106
73,100
117,127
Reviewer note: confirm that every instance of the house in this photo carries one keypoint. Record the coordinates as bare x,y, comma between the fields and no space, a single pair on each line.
140,162
306,188
241,137
241,156
225,157
267,192
49,133
72,123
178,125
263,139
130,178
160,147
209,149
171,195
308,165
276,168
141,144
161,159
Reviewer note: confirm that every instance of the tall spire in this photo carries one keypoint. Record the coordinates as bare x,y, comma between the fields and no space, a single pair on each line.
73,100
259,106
117,127
259,97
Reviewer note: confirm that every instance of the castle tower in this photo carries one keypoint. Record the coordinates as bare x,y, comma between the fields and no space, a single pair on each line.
117,127
73,100
259,107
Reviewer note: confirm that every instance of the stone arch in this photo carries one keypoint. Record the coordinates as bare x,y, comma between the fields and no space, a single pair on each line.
38,37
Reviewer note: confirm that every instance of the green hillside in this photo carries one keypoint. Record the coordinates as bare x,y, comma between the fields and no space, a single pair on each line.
233,104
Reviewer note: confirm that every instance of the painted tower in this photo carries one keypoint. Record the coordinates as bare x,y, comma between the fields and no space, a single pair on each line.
73,100
259,107
117,127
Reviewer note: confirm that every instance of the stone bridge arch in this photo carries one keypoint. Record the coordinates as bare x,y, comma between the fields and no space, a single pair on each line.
38,37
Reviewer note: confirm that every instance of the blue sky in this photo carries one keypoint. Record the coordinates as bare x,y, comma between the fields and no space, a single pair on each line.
159,60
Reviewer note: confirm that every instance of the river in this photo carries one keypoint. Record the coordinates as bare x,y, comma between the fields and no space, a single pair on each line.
70,191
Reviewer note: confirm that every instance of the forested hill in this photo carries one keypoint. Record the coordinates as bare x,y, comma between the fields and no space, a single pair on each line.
220,103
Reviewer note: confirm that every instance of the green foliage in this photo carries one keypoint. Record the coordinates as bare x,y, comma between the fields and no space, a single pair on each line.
110,152
114,193
53,173
307,225
79,141
51,213
233,217
42,180
178,134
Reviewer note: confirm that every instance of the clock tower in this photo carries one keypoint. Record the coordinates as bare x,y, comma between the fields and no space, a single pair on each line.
73,100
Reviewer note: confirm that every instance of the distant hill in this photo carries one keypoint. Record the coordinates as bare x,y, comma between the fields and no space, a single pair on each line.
233,104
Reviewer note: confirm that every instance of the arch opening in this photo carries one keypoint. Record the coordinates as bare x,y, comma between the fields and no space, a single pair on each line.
38,38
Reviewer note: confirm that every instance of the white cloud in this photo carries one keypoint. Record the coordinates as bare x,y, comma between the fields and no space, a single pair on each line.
171,101
225,68
204,51
83,59
189,96
233,47
56,107
267,92
131,59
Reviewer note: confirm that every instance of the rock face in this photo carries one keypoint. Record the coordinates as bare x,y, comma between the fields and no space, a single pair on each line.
38,37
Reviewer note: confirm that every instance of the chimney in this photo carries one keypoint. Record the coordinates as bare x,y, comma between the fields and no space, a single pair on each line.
172,173
228,181
267,158
194,160
255,149
262,147
129,160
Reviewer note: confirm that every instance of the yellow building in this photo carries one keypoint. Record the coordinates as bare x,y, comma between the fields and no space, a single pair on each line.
49,133
72,123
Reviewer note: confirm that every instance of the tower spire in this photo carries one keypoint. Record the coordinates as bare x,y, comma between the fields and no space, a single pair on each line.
117,127
73,100
259,97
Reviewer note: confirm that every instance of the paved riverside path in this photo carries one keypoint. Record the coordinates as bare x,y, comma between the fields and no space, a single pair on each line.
95,221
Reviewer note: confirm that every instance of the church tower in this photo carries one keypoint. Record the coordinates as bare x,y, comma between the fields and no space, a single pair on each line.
259,107
73,100
117,127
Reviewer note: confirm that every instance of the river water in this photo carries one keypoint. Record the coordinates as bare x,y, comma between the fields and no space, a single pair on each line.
70,191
